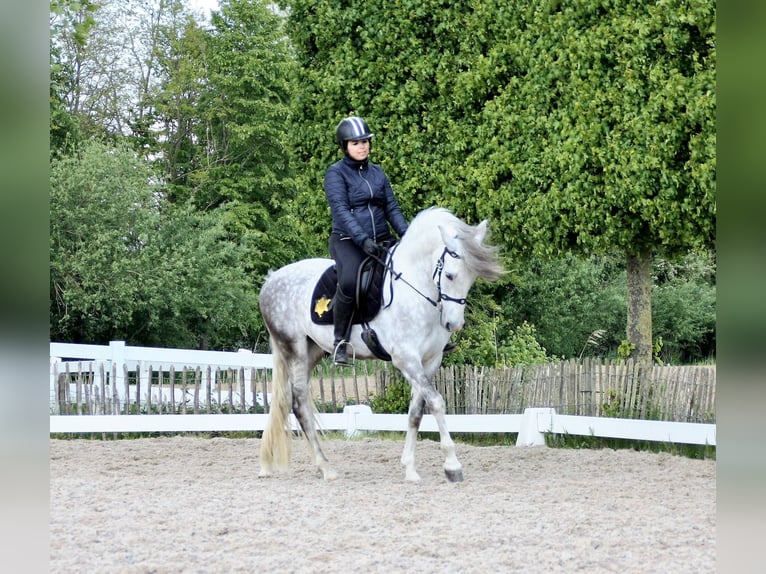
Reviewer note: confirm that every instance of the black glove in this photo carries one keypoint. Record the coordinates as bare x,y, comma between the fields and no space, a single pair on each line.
370,247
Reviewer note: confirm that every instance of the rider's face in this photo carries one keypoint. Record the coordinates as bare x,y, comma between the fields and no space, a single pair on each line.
358,149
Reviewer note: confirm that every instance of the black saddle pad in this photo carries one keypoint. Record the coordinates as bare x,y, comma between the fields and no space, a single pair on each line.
369,293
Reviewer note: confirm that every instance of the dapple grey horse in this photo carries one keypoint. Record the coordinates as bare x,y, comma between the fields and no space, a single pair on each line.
432,269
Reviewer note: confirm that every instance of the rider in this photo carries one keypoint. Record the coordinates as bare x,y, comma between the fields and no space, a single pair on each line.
363,205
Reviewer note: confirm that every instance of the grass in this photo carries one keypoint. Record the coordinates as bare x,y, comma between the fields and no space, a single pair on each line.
696,451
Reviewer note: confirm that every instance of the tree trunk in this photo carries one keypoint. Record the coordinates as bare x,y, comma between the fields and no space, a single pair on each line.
639,329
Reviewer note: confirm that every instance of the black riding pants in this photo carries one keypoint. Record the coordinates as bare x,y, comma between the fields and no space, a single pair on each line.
348,257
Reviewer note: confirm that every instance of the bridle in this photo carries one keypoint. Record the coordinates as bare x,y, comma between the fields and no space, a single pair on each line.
437,277
438,270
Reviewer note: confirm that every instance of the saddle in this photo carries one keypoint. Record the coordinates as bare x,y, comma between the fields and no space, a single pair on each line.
367,301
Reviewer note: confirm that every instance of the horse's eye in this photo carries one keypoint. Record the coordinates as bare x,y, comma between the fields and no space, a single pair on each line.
449,276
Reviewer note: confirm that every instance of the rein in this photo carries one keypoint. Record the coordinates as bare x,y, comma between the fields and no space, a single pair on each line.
437,275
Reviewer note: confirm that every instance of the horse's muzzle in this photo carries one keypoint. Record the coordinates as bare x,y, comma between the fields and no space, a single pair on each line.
453,327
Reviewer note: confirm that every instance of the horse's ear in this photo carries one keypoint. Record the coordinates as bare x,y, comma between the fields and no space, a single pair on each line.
481,231
450,237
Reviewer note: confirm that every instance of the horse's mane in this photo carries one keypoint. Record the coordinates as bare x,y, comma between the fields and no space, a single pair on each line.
480,258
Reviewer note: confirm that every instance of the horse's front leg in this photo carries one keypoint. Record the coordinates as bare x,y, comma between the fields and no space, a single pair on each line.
417,405
452,467
424,394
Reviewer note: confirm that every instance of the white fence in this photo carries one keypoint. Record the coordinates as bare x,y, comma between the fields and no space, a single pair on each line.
530,426
117,359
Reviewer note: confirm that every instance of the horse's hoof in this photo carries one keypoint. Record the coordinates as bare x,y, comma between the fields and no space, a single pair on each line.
265,473
454,475
329,475
412,476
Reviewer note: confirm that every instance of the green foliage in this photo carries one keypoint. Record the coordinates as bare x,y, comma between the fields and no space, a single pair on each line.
626,348
684,308
567,299
574,127
395,399
520,347
490,338
124,264
223,106
71,22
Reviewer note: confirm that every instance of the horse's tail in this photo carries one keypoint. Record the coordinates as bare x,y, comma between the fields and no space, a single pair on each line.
276,442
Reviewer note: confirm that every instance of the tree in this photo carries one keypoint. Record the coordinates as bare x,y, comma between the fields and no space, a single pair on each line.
683,310
125,264
567,299
219,125
204,112
581,127
246,107
110,54
621,100
70,24
174,129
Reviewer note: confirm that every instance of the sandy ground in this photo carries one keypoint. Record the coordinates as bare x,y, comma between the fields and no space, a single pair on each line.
190,504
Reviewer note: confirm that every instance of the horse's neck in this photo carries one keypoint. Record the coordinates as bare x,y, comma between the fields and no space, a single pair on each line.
415,259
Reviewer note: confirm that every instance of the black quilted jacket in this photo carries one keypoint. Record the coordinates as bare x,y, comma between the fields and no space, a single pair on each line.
362,201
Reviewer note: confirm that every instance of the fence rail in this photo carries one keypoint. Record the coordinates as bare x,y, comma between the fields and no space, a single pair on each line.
530,426
119,379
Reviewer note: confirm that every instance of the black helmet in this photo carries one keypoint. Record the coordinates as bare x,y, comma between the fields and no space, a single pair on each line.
351,128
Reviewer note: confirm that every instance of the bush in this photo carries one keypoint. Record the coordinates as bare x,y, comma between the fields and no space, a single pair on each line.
395,399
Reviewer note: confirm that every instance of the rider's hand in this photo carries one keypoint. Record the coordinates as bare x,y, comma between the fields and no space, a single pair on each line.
370,247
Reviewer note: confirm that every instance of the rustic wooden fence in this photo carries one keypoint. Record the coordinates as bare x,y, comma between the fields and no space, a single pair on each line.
589,387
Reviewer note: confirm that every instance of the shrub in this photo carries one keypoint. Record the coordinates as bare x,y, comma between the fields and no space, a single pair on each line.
394,399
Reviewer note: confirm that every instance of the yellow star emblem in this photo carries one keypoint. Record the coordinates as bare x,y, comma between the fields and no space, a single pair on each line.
322,305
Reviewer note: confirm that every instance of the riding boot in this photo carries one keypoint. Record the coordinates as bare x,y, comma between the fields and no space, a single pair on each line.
343,312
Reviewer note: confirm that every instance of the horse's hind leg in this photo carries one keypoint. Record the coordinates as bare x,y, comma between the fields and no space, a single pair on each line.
305,415
304,412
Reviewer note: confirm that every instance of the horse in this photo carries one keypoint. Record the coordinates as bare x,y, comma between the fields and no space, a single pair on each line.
429,274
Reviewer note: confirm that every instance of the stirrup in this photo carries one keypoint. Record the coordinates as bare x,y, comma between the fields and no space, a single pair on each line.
340,356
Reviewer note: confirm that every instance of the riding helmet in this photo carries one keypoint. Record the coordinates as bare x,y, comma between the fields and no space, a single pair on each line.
351,128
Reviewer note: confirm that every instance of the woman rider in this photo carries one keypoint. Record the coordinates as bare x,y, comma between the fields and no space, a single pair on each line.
363,205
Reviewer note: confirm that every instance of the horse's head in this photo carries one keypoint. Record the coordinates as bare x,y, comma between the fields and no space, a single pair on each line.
463,259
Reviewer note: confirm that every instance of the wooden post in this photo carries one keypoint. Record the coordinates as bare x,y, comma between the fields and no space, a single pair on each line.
266,391
356,387
197,384
242,393
208,388
172,408
184,389
332,385
149,376
103,388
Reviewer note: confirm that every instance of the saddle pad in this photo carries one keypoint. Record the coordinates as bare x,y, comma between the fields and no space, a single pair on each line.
322,298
